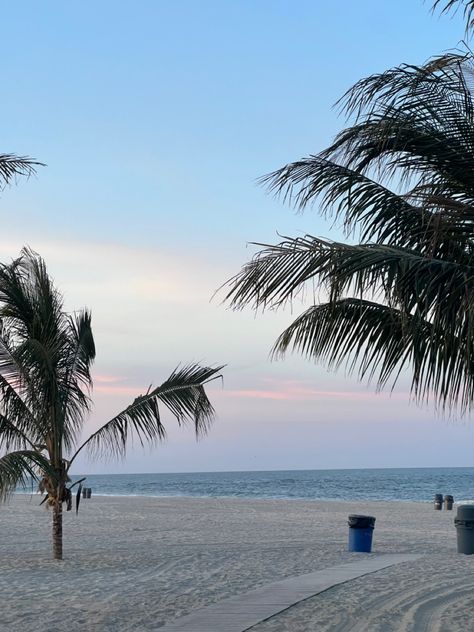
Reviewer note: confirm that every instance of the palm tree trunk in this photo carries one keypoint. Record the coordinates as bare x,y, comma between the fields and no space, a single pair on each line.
58,530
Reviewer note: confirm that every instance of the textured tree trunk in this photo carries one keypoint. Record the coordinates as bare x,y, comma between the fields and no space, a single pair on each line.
58,531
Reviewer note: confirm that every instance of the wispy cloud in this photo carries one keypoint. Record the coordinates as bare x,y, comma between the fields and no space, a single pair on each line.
118,390
113,385
108,379
293,390
149,275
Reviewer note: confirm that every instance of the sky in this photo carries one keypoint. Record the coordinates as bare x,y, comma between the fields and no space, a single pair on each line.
155,119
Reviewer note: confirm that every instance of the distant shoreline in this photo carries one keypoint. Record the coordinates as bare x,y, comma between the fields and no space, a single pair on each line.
333,469
393,485
242,498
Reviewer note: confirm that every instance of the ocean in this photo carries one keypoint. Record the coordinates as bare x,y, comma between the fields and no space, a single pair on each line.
415,484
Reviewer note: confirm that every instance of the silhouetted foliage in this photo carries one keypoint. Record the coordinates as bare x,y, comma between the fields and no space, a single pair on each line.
45,384
401,179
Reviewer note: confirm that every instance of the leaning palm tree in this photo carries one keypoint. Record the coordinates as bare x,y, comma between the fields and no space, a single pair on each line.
400,179
45,384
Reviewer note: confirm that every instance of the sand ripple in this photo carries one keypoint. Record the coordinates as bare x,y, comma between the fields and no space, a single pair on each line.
433,594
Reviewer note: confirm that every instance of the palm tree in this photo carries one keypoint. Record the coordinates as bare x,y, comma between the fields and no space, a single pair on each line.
45,384
401,180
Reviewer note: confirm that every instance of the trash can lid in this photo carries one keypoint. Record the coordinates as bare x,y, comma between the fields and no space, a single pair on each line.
361,522
465,512
448,497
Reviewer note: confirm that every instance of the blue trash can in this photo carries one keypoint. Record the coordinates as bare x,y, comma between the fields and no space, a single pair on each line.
361,529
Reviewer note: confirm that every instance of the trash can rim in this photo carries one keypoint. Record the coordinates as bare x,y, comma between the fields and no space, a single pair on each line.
357,521
361,516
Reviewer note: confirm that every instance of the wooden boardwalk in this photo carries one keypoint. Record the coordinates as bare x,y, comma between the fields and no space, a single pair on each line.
241,612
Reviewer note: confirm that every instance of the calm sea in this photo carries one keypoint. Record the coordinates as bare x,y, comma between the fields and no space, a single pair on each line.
373,484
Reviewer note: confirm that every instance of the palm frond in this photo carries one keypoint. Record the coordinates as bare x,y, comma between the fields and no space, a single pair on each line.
183,394
404,277
82,355
277,273
377,342
12,166
362,335
13,437
454,5
19,468
377,212
404,147
412,121
74,378
440,81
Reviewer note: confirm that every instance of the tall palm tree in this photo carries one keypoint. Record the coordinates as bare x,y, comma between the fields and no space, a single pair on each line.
401,180
45,384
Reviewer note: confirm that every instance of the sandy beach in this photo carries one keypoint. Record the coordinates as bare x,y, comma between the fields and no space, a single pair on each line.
135,564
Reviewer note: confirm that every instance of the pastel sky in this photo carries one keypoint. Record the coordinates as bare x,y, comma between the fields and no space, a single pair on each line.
155,119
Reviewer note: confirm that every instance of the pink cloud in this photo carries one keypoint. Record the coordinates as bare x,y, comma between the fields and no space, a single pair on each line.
110,385
273,389
119,390
258,394
293,390
108,379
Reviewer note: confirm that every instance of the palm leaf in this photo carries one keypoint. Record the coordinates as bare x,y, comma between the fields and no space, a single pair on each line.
364,336
442,81
436,225
12,166
454,5
377,342
74,378
11,436
279,273
19,468
183,394
82,353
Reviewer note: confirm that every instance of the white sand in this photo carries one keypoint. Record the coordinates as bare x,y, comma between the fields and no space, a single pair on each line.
136,563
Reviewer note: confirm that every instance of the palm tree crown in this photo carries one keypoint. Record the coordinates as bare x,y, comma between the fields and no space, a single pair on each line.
45,384
401,178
